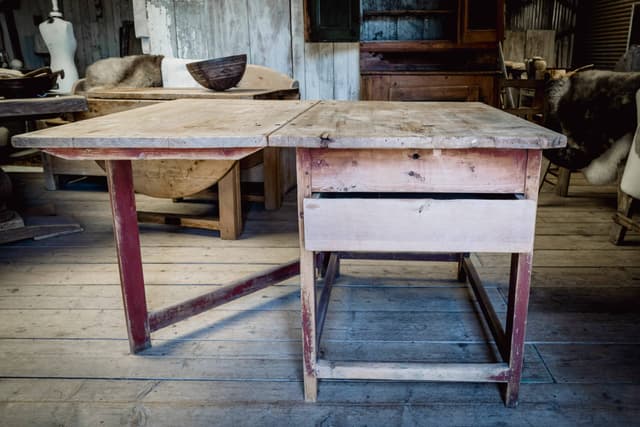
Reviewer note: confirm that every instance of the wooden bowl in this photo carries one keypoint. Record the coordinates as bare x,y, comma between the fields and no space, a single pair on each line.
30,85
220,73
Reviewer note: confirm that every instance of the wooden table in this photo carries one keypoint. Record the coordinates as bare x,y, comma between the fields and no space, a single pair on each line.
41,107
279,168
29,109
415,180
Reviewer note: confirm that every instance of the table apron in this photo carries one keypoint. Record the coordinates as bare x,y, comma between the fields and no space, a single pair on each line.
412,170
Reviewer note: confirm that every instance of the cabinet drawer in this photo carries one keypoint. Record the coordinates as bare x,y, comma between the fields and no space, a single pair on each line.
419,225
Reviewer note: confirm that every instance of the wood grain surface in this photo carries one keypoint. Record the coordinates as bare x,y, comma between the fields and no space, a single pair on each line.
373,124
191,123
184,123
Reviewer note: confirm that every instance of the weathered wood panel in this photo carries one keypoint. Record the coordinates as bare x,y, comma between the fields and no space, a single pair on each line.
346,71
270,32
229,28
319,76
162,27
191,16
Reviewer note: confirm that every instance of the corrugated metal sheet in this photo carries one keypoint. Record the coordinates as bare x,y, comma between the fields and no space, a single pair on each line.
558,15
606,29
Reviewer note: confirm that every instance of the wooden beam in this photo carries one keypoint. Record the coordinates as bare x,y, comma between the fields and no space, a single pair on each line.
439,257
151,153
192,221
460,372
323,304
487,308
170,315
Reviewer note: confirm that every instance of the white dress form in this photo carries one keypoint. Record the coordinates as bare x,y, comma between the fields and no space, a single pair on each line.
61,42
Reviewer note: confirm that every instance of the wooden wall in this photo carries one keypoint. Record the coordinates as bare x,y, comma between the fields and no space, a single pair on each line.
270,32
96,25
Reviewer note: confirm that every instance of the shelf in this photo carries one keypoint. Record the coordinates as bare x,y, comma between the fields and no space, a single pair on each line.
407,12
420,46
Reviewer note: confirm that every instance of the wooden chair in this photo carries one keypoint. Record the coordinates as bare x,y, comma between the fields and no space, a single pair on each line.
536,112
628,192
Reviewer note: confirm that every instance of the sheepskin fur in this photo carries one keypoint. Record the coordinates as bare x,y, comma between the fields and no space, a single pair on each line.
130,71
596,110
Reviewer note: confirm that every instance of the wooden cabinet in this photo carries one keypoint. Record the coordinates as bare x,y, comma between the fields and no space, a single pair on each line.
445,22
482,21
438,50
332,20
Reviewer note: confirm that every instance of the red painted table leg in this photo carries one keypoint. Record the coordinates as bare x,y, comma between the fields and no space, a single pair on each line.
519,284
125,229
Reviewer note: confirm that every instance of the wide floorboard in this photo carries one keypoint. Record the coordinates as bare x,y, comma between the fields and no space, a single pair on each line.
64,355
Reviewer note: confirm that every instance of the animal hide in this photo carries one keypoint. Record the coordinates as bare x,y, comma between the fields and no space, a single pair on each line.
595,110
130,71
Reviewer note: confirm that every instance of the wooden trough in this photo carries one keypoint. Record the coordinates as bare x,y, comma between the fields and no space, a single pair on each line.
173,178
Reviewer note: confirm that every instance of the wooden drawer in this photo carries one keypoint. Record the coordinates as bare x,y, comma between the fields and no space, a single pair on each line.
419,225
421,171
429,87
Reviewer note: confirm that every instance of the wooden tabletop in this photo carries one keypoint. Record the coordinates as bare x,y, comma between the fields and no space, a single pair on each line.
33,107
426,125
166,94
185,123
200,123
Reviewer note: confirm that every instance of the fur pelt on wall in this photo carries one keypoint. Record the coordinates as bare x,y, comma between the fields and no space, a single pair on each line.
130,71
596,110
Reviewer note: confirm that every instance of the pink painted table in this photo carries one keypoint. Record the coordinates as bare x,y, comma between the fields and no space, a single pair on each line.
420,181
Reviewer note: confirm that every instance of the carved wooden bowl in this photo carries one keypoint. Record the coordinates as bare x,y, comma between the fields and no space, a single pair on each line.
220,73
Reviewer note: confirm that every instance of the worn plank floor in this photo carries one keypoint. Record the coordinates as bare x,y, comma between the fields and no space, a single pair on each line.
64,356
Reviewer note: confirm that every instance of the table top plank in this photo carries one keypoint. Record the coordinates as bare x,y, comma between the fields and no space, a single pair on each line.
211,123
419,125
25,107
186,123
164,94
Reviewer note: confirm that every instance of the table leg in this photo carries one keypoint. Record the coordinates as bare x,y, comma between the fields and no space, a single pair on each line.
230,204
125,229
519,283
272,182
307,284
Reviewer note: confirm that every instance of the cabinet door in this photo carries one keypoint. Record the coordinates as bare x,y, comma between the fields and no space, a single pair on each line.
333,20
482,21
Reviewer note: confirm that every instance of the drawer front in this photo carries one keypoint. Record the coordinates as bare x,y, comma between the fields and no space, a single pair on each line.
419,225
420,171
